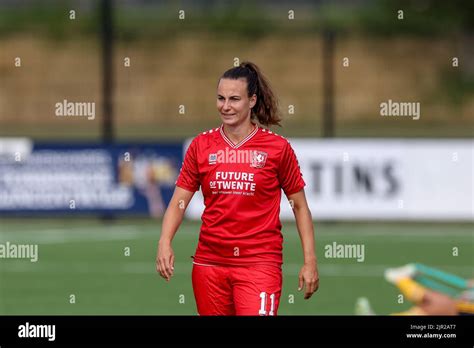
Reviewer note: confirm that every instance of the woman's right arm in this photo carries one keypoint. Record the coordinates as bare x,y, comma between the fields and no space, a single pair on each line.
171,221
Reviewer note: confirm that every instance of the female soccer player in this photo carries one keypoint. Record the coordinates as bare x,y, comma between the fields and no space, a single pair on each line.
241,168
434,292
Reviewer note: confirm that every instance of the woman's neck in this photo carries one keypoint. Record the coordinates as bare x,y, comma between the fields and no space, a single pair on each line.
238,133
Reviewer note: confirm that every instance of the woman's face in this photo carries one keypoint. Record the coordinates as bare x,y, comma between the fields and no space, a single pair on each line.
233,102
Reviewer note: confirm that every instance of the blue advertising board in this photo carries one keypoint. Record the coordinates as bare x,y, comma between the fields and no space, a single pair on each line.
131,179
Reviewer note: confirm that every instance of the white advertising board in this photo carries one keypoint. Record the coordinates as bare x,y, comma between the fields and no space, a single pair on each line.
378,179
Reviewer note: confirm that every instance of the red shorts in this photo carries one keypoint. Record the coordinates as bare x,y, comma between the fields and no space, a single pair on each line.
237,290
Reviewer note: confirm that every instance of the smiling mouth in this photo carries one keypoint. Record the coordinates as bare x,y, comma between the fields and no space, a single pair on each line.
228,114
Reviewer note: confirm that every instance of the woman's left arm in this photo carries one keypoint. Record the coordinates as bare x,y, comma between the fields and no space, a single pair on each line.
308,276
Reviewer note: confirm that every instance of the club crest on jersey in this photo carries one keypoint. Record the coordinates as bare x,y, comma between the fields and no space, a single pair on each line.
259,158
212,158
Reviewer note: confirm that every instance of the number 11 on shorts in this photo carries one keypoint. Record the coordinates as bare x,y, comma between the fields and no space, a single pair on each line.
263,301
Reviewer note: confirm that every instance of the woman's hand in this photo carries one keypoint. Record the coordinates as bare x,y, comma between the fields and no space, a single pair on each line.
165,260
171,221
309,277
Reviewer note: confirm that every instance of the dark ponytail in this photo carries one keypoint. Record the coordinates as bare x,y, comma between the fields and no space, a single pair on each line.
266,108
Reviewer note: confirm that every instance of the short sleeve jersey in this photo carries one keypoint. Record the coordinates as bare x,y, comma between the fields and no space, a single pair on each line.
241,184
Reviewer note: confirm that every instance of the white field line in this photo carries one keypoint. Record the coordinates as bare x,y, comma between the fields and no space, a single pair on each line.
73,235
183,268
425,232
105,233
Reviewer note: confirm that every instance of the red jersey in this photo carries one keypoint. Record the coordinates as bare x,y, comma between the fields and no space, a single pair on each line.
241,184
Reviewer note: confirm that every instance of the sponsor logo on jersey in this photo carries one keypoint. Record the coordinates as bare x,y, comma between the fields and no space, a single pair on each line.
212,158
